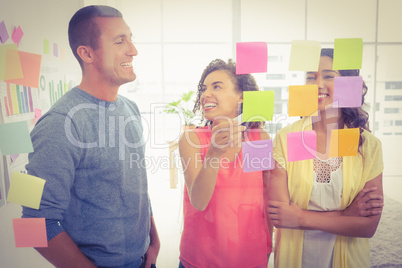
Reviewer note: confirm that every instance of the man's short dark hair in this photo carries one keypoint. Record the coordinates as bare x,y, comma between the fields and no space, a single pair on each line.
83,29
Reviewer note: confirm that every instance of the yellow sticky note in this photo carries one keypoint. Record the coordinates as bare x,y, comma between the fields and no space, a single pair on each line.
258,105
13,65
303,100
304,55
344,142
25,190
3,56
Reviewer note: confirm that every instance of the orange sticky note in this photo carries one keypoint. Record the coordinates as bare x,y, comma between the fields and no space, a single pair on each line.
13,66
344,142
303,100
30,68
30,232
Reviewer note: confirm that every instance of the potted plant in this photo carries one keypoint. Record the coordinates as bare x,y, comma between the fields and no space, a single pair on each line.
181,107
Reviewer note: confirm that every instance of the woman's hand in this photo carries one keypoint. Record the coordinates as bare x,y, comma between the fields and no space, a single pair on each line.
284,215
226,134
365,204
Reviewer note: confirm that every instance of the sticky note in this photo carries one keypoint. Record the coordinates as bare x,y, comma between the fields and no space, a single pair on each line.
63,54
25,190
46,48
14,157
17,35
258,105
30,232
38,113
3,32
30,64
55,50
13,68
344,142
304,56
15,138
348,91
257,155
251,57
303,100
301,145
348,54
3,56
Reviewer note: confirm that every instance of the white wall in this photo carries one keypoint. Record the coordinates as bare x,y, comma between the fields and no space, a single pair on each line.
39,20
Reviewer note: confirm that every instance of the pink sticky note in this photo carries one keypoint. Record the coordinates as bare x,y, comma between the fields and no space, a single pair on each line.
30,232
251,57
14,157
17,35
348,91
3,32
257,155
301,145
38,113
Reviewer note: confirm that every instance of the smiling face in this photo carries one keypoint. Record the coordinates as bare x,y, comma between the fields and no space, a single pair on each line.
324,79
114,55
220,96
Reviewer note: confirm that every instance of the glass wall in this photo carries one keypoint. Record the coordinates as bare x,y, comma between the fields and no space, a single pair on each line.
176,39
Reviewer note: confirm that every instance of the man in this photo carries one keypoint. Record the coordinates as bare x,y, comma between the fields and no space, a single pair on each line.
95,199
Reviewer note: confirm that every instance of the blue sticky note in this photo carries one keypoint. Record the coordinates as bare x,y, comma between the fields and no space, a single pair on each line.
15,138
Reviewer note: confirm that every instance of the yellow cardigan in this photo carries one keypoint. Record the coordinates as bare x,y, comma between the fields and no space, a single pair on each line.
349,252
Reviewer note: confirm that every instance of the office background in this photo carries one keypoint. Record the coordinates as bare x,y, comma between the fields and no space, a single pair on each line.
176,39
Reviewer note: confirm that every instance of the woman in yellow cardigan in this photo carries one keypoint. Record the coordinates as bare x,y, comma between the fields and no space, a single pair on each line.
309,198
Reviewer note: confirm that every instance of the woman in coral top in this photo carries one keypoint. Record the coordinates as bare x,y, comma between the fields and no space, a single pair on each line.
225,223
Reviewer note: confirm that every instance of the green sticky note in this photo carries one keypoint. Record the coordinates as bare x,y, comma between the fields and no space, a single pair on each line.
305,56
258,105
25,190
15,138
46,48
348,54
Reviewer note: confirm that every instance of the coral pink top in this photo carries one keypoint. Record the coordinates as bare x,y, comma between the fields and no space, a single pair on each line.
232,231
